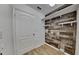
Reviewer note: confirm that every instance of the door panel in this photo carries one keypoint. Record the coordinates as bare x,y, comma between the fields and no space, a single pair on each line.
24,31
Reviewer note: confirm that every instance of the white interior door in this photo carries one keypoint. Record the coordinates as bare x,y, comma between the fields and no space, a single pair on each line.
24,31
28,30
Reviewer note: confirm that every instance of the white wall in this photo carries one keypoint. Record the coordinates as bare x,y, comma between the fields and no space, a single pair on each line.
77,37
13,28
28,22
6,29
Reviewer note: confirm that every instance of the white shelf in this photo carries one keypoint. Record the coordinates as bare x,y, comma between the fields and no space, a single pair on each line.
66,36
64,20
70,22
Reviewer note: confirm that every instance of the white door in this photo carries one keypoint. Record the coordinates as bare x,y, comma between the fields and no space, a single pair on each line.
28,30
25,36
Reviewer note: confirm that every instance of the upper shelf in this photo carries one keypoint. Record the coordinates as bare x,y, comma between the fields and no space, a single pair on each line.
63,11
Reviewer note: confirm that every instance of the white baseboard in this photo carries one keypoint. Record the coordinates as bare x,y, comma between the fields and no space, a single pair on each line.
52,47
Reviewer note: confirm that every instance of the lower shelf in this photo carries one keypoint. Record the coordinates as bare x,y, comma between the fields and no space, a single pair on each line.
70,50
54,44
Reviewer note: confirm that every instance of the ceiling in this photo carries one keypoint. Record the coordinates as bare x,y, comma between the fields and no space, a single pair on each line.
45,8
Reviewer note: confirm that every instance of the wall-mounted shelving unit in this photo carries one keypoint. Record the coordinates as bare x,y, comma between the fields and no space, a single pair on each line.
61,32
